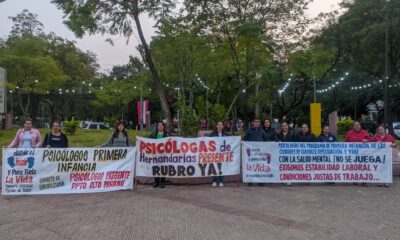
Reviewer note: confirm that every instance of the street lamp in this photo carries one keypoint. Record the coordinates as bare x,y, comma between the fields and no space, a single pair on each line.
385,90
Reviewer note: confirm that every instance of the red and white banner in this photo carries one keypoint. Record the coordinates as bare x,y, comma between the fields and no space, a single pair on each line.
272,162
187,157
142,108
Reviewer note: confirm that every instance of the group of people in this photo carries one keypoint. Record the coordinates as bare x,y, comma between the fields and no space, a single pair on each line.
267,133
29,137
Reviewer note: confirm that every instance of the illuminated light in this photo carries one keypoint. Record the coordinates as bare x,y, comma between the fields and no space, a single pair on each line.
347,73
369,85
380,81
337,82
341,79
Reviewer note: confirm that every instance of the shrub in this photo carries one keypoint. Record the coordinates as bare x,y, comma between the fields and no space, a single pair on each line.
344,125
71,126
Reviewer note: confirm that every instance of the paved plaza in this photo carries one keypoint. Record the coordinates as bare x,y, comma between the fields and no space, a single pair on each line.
201,212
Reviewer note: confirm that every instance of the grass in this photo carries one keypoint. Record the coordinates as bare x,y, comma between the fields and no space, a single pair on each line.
82,138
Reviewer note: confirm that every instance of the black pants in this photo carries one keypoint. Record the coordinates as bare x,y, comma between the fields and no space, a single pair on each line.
160,181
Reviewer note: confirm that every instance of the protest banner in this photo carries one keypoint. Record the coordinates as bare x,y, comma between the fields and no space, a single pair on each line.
187,157
316,162
66,170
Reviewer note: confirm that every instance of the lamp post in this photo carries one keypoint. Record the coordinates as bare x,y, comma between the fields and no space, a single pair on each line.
386,79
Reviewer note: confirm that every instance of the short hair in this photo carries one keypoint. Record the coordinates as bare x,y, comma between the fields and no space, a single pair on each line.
28,119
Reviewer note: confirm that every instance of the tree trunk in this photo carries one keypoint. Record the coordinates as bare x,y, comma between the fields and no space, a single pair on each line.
153,70
257,104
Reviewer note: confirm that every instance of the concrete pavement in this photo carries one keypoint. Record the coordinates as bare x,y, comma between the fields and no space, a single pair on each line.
201,212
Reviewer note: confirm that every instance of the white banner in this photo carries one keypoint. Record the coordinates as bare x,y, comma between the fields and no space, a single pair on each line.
274,162
66,170
188,157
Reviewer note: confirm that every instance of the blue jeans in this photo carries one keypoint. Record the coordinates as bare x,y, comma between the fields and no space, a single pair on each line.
218,179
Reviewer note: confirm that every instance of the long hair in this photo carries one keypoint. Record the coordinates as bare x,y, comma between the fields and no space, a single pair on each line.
52,123
116,132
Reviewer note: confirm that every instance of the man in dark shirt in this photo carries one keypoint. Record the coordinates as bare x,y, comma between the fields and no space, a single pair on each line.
326,135
272,136
305,135
255,133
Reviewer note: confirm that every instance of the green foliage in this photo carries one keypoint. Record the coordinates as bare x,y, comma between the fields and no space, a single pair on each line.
189,123
111,121
344,125
217,113
71,126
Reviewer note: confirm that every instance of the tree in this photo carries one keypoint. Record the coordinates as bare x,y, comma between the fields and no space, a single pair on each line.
116,17
31,71
358,31
250,31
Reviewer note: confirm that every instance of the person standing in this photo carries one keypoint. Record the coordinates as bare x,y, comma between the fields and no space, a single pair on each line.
218,132
326,135
158,134
119,137
286,135
304,135
382,136
27,137
55,138
357,134
255,133
270,131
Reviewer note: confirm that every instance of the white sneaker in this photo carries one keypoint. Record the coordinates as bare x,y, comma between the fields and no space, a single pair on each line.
221,184
214,184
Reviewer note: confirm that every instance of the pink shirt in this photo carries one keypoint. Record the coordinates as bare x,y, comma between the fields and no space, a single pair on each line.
353,136
18,140
386,138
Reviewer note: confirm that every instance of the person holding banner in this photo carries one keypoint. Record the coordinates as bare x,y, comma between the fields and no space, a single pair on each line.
357,134
326,135
382,136
304,135
55,138
119,138
159,133
27,137
218,132
256,134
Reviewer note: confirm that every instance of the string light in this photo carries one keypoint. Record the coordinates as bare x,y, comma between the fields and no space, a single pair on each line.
335,84
282,90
